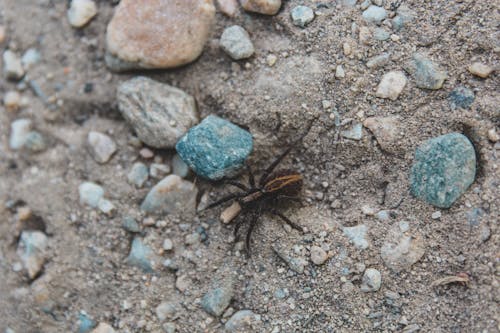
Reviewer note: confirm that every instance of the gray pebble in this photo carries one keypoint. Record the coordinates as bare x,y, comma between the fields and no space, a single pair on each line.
374,14
357,235
19,131
302,16
169,327
461,97
381,34
400,250
168,244
138,174
166,310
35,142
130,224
31,250
106,206
353,133
90,194
243,321
371,281
140,256
296,264
172,195
382,215
236,42
216,300
426,73
30,58
179,167
158,170
378,61
12,66
101,146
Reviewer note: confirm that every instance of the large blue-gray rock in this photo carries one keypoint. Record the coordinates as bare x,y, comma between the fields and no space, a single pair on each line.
443,169
215,148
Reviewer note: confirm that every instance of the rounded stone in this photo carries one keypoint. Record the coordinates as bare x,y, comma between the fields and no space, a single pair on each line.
236,42
172,195
374,14
160,114
391,85
81,12
372,280
243,321
174,35
426,73
266,7
302,15
101,146
443,169
90,194
461,97
318,255
217,299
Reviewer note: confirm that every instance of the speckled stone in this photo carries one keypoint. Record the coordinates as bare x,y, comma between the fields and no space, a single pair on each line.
235,41
302,16
461,97
140,256
372,280
215,148
427,74
357,235
243,321
216,300
443,169
31,249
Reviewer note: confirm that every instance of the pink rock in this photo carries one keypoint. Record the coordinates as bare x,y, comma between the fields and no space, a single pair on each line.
228,7
158,33
267,7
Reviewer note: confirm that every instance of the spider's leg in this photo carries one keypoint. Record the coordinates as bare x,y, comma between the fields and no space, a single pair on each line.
225,199
237,227
251,178
253,222
286,220
282,196
237,184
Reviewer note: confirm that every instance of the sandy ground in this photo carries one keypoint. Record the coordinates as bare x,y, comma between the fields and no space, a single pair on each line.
85,269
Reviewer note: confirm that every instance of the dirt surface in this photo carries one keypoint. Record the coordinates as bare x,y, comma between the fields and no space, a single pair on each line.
85,268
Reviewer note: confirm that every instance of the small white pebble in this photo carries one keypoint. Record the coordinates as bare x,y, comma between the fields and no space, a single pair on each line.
436,215
271,60
168,244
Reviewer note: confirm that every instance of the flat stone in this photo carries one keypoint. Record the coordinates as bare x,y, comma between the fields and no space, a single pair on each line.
302,16
175,34
379,60
318,255
381,34
12,66
353,133
160,114
217,299
168,244
166,310
443,168
372,280
138,174
103,328
101,146
296,264
266,7
19,131
391,85
426,73
480,69
215,148
140,256
81,12
461,97
31,250
386,130
374,14
357,235
90,194
402,249
243,321
235,41
172,195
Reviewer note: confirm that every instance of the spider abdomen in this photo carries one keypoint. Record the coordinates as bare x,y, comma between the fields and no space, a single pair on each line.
285,182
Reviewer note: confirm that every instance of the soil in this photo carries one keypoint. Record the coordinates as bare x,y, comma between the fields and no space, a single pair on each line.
85,268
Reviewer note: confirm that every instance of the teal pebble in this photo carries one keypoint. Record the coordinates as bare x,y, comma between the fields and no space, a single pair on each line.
215,148
139,256
86,323
443,169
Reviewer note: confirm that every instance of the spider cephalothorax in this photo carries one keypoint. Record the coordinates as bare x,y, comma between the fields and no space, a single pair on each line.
272,188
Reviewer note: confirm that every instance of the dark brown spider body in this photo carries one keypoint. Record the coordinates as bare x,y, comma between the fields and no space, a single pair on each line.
284,182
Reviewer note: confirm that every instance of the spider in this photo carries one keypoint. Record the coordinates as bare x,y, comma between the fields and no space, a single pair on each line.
260,197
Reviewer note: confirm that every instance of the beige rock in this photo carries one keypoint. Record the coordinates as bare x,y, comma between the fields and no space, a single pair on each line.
174,35
267,7
228,7
386,131
391,85
318,255
365,35
480,69
12,100
103,328
493,135
81,12
230,212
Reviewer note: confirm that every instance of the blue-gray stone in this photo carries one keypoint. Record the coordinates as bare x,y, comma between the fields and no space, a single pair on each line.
130,224
217,300
474,216
179,168
86,324
357,235
374,14
138,174
90,194
35,142
404,15
280,293
461,97
443,169
172,195
140,256
302,15
215,148
381,34
243,321
426,73
353,133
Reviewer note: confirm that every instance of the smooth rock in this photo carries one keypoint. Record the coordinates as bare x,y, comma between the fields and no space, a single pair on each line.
81,12
31,250
480,70
354,133
391,85
402,249
235,41
106,206
85,323
168,244
19,131
172,195
179,167
160,114
372,280
166,310
378,61
426,73
493,135
266,7
101,146
243,321
228,7
138,174
302,16
374,14
158,170
90,194
216,300
140,256
443,168
103,328
357,235
12,66
12,100
169,327
30,58
382,215
386,130
318,255
175,34
215,148
130,224
461,97
339,72
35,142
